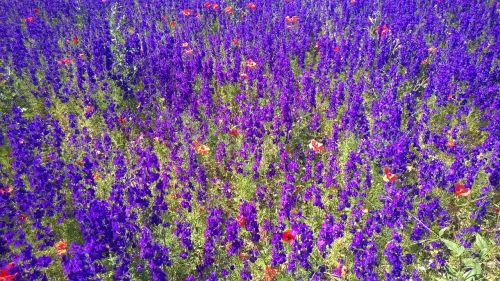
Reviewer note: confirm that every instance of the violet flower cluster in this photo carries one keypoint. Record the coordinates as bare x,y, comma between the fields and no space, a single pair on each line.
247,139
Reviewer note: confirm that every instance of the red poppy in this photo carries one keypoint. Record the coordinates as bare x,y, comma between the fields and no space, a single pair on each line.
251,64
22,217
74,40
235,42
243,75
388,177
172,24
425,62
270,273
316,146
228,10
233,131
432,50
121,120
61,247
28,19
207,4
200,148
88,108
65,61
186,12
382,30
188,52
215,6
461,190
4,272
336,49
7,189
288,235
291,20
241,220
340,270
251,5
36,11
450,143
242,256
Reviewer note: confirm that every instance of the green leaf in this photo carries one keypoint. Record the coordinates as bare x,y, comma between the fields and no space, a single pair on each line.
457,249
470,262
451,270
478,269
470,275
441,232
481,244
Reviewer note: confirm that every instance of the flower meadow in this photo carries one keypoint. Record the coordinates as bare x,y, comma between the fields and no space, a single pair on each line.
249,140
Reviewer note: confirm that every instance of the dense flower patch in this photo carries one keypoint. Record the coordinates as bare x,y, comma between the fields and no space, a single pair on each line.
249,140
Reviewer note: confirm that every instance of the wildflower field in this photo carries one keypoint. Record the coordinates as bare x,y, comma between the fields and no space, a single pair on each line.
249,140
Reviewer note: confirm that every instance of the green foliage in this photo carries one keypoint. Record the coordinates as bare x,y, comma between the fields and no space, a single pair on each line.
471,264
456,249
